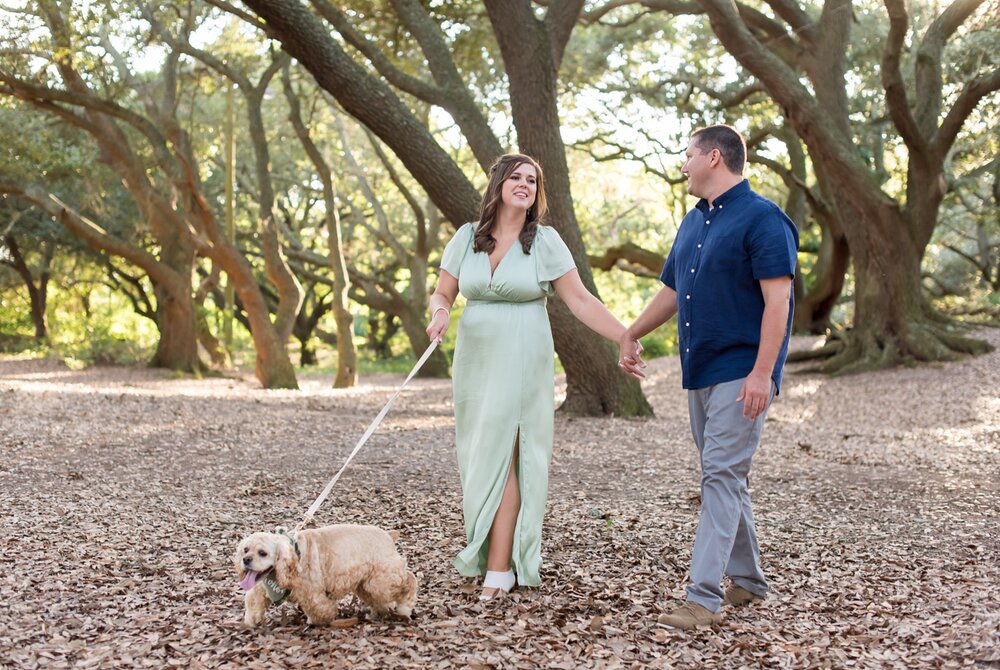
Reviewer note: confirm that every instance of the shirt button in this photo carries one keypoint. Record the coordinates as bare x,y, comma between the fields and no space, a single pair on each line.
688,297
707,222
692,269
687,323
686,350
699,246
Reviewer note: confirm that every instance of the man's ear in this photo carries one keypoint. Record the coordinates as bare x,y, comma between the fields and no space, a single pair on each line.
714,157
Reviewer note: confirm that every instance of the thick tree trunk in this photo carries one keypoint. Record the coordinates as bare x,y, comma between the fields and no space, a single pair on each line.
894,323
347,353
38,319
814,307
216,352
36,294
177,348
175,309
272,366
595,385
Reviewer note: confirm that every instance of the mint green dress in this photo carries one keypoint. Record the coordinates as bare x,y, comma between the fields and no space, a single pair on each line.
503,374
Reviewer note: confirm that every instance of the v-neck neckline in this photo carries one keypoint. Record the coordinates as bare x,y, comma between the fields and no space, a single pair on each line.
493,270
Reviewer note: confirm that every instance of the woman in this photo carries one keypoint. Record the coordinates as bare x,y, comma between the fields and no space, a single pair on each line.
505,265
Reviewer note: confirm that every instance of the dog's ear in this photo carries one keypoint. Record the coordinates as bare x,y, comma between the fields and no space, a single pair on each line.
286,563
238,556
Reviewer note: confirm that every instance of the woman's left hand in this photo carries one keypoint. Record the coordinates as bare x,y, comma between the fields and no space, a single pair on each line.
629,358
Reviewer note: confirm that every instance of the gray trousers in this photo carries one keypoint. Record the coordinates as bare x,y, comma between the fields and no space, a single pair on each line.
726,541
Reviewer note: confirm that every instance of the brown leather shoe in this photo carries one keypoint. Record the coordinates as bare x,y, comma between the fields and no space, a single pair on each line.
737,595
690,615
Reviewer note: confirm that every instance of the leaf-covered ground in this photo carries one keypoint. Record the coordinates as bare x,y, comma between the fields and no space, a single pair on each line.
125,490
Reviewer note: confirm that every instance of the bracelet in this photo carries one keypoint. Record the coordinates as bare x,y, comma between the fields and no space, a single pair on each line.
439,309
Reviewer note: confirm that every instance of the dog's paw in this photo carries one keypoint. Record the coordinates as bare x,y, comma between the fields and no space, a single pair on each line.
252,621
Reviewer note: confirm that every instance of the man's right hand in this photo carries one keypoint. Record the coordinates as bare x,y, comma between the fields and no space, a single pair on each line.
629,356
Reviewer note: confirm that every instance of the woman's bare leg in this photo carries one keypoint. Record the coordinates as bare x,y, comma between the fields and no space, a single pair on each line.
501,537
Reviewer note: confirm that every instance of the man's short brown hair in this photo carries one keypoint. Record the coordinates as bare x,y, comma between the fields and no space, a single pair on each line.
727,140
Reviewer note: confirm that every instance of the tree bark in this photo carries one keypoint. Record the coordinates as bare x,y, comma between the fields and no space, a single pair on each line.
36,294
531,52
893,321
373,103
177,348
347,353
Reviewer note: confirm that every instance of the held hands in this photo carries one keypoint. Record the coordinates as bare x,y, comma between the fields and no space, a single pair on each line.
629,359
438,326
754,394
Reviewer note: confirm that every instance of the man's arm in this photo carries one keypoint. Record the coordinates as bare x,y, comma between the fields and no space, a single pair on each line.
756,389
660,309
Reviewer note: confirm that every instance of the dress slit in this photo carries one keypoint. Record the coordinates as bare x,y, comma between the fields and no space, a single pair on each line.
503,371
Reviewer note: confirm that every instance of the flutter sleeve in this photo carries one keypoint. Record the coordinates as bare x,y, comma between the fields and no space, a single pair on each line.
455,250
552,257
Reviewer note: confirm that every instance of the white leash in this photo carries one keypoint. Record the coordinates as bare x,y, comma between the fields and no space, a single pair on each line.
364,438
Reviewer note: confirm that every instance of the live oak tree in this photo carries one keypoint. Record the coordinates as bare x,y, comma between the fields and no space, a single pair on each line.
799,53
372,88
161,169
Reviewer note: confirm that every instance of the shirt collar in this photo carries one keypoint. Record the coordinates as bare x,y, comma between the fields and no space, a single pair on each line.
732,194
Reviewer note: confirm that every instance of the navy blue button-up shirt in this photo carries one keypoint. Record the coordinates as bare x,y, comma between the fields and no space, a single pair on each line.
715,265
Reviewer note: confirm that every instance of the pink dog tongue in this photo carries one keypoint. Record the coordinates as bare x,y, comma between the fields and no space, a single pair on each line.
249,581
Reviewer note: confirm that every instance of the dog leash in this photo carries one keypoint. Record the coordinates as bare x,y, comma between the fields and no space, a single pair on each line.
364,438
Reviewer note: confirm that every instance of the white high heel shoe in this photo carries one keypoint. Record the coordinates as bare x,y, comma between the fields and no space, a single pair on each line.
500,583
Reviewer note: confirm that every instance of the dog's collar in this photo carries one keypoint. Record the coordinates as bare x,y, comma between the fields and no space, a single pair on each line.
275,593
291,538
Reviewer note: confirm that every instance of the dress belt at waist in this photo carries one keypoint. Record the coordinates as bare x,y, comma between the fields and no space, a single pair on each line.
536,301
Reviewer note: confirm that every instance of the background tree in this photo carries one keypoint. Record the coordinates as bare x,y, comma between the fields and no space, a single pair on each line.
888,232
172,220
594,385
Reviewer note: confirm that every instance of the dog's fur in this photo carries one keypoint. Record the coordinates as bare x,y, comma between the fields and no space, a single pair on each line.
335,561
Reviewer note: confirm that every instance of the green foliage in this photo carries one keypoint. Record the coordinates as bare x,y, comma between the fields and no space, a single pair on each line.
633,86
103,345
108,333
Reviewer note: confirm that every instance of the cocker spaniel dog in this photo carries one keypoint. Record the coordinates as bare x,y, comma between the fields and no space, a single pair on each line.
318,567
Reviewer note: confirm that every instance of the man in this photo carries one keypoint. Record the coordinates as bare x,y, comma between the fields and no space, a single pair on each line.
728,278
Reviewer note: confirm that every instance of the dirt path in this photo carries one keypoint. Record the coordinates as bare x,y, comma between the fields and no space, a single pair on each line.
125,492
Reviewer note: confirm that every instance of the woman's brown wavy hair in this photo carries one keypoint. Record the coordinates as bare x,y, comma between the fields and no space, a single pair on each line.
500,171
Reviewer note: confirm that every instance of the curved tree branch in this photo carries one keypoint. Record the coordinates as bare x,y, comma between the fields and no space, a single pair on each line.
373,103
928,63
967,101
404,82
892,81
458,100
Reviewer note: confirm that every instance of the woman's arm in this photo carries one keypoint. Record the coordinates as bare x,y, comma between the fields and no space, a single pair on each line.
440,306
588,309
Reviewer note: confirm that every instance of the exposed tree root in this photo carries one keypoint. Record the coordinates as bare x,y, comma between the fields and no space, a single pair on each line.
831,347
852,351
